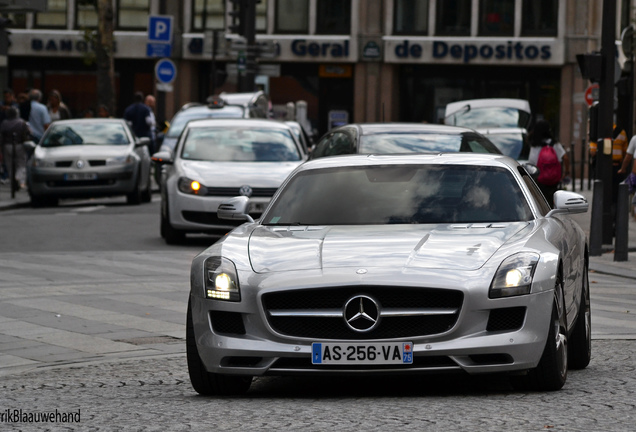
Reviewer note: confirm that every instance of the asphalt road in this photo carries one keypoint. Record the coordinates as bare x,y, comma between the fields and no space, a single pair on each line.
92,314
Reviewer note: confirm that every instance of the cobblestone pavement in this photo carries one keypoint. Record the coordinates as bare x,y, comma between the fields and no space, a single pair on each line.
155,395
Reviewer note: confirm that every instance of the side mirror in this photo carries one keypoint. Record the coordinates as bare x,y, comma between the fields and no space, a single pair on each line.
532,170
568,203
143,141
235,209
162,158
29,147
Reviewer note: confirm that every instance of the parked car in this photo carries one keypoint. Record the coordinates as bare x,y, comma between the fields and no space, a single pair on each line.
504,121
89,158
220,158
383,138
394,264
257,101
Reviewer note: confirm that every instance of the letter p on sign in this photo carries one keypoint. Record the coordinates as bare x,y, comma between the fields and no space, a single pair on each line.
160,29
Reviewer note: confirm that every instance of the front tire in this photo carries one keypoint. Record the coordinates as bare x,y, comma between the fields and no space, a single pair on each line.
134,198
204,382
580,350
552,370
171,235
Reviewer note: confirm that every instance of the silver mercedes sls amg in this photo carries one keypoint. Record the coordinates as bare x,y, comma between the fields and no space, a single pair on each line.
395,264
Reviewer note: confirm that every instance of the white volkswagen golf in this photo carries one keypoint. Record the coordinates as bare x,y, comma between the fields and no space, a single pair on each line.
215,159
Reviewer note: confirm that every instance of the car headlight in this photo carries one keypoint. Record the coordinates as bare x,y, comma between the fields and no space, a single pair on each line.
43,163
192,187
514,276
120,160
221,281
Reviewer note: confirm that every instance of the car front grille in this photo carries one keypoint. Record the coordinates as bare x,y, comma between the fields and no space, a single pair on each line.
210,218
235,191
404,312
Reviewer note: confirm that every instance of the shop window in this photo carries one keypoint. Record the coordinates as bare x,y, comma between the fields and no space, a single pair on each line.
86,14
334,17
18,20
453,17
410,17
55,15
292,16
133,14
261,17
497,18
208,15
539,18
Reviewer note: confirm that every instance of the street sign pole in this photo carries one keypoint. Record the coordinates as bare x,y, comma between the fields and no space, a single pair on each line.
606,116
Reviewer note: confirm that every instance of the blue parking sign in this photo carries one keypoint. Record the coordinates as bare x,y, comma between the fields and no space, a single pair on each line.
160,28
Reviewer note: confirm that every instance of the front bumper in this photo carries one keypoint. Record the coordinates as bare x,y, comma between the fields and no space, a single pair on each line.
93,181
237,338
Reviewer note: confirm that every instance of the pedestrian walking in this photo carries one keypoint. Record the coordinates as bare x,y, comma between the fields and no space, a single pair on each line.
8,101
13,132
139,116
39,118
57,109
550,157
150,102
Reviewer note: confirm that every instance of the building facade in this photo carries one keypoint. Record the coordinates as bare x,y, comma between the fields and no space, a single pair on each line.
350,60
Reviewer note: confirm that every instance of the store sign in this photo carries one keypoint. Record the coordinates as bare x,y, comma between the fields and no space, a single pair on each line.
63,45
526,51
304,48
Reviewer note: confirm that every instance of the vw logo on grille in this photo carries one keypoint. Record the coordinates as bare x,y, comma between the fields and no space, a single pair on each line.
80,164
246,191
362,313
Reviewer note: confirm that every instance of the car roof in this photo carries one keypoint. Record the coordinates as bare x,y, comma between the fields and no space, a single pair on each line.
379,128
238,123
475,159
89,120
519,104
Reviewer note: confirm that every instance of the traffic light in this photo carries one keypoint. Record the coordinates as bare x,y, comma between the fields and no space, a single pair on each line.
591,66
239,8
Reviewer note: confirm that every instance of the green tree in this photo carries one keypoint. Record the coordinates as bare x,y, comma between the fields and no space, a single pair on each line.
102,39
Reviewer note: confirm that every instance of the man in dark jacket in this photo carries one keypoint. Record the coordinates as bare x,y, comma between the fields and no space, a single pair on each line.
140,117
13,132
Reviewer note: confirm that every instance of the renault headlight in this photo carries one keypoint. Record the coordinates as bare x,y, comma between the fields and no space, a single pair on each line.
514,276
43,163
120,160
221,280
192,187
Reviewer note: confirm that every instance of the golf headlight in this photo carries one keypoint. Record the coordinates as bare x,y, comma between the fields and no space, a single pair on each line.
221,281
189,186
514,276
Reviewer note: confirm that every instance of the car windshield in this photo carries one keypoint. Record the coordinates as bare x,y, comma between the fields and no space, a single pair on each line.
404,194
410,142
232,144
181,119
489,117
512,144
88,133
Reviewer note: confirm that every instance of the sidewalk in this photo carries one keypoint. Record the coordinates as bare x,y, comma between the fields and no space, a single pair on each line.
600,264
21,198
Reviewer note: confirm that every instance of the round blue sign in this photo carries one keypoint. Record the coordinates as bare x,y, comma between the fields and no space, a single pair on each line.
165,71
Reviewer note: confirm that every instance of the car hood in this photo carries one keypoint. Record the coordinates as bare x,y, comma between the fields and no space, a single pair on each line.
228,174
81,151
399,247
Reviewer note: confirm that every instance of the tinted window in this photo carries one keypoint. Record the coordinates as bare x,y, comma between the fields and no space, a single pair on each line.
399,195
337,143
539,18
453,17
85,134
412,142
234,145
497,17
410,17
334,17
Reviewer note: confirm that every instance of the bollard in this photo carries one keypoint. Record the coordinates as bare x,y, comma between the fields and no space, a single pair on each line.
14,181
596,223
622,224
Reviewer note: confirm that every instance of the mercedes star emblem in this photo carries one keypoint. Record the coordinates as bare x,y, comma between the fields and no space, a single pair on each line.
362,313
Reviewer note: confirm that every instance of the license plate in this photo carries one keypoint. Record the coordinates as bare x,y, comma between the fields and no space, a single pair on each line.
362,353
80,176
